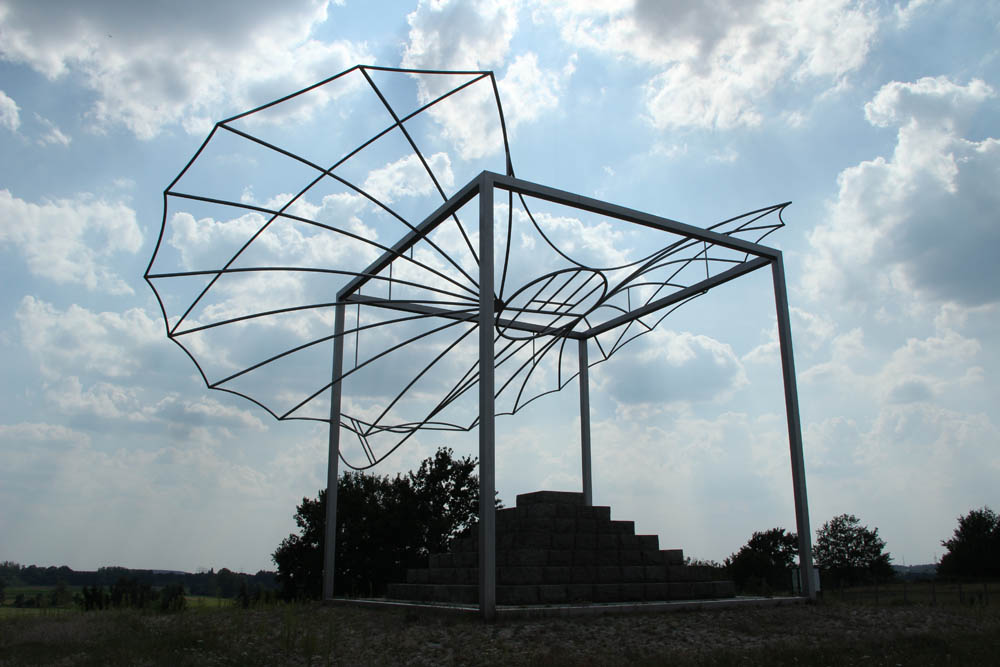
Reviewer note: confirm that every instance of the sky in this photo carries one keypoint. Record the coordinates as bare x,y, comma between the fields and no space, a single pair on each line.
877,120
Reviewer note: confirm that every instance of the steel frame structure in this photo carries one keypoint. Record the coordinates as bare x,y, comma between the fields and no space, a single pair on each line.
489,318
557,308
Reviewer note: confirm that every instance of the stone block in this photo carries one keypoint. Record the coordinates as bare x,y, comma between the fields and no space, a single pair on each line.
533,524
679,590
586,525
623,527
526,557
563,540
417,576
652,557
540,511
567,511
535,539
579,592
679,573
583,574
651,542
673,556
655,573
556,575
562,497
599,512
519,576
455,594
607,557
606,592
630,557
631,592
630,542
656,591
609,574
517,595
560,557
607,541
552,594
723,589
702,589
585,557
632,573
585,540
506,540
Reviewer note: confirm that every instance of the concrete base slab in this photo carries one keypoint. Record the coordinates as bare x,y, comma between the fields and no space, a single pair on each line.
505,612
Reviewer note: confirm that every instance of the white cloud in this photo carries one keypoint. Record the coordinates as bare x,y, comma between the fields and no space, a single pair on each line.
669,366
919,225
70,240
527,91
53,135
102,399
9,113
41,432
718,61
476,36
156,63
76,340
460,35
407,177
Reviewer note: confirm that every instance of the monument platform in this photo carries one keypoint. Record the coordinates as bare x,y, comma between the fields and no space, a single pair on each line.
553,549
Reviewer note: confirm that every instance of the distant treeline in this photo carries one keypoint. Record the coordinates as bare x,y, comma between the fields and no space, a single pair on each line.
224,583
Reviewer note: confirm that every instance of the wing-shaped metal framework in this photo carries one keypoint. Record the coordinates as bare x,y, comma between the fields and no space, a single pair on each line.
451,292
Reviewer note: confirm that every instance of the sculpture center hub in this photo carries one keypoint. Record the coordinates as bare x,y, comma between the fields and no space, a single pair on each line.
553,303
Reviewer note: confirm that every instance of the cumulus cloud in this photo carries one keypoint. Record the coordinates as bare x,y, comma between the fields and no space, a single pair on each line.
476,36
156,63
52,134
716,62
9,113
76,340
70,240
674,367
920,224
407,177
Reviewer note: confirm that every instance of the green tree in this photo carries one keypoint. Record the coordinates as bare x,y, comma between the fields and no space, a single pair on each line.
765,560
974,549
384,526
848,553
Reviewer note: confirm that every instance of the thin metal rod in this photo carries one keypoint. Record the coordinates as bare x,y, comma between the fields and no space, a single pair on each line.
333,456
588,488
794,430
487,462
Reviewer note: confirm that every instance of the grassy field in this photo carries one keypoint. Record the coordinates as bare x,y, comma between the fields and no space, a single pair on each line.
827,633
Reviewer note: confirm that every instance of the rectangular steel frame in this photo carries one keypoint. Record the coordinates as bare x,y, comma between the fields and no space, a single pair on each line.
483,186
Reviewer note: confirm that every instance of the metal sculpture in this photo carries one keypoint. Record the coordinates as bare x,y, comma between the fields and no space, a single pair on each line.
280,240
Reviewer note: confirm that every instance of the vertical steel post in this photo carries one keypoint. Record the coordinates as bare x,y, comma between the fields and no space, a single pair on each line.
794,430
333,455
588,489
487,462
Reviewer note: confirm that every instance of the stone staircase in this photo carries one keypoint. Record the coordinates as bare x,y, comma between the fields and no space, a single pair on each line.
552,549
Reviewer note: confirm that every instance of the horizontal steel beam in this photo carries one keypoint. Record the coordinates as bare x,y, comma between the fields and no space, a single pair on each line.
432,311
679,295
555,196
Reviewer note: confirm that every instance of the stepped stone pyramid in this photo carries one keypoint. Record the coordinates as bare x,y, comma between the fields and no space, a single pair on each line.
553,549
